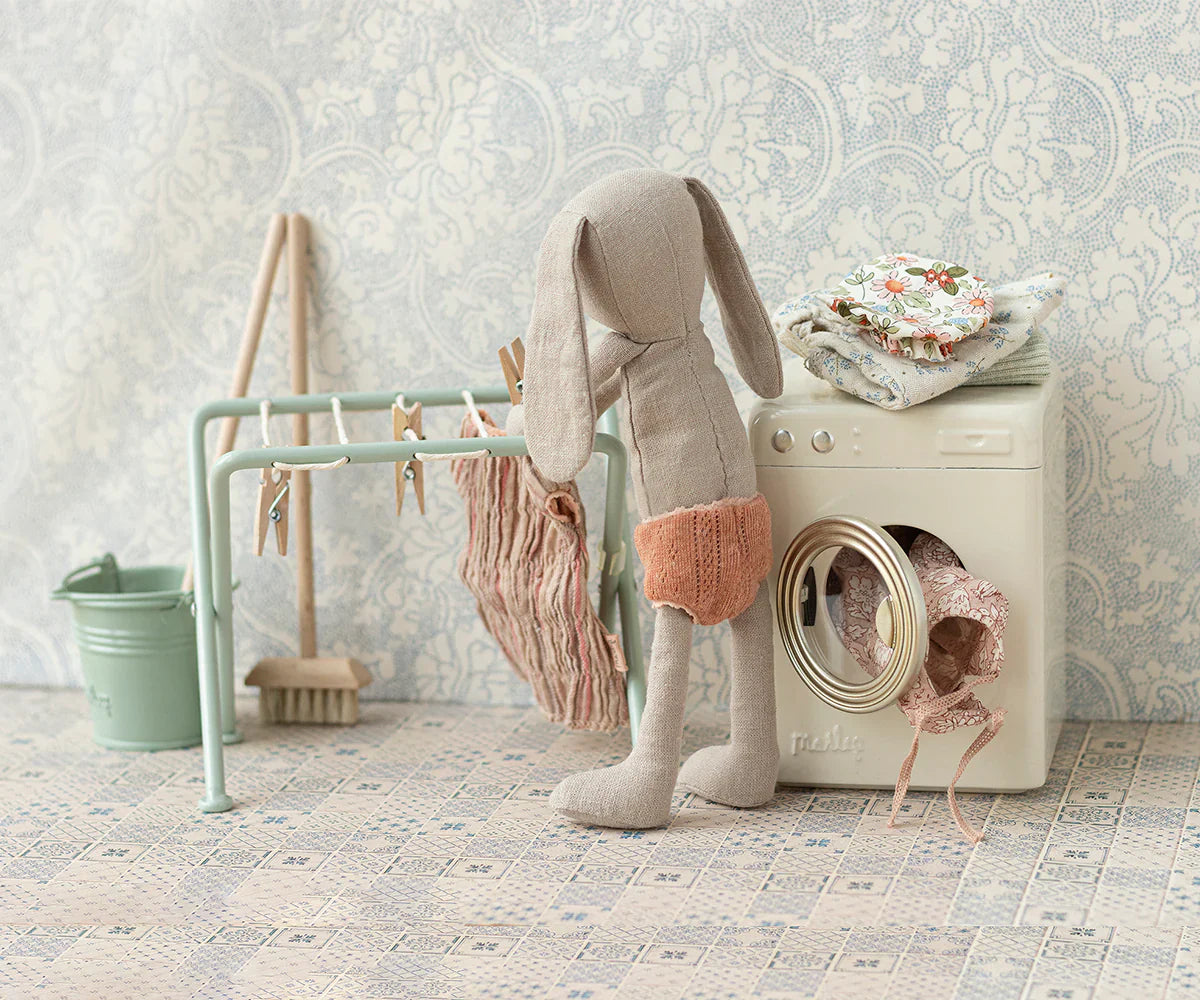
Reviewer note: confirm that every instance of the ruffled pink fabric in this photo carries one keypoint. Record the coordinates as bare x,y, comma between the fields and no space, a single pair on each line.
526,562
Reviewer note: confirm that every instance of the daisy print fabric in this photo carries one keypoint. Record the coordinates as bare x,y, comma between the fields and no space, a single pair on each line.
914,306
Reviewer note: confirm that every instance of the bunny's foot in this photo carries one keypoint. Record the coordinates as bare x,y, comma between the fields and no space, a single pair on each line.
732,775
626,796
743,773
636,794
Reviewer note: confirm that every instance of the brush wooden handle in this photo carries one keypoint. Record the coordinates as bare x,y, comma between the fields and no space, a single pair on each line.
259,300
268,263
301,500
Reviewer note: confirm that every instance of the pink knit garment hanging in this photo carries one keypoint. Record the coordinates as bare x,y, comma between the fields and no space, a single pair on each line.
967,618
526,562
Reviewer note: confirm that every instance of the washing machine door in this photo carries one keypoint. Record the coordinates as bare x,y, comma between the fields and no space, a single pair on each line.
811,615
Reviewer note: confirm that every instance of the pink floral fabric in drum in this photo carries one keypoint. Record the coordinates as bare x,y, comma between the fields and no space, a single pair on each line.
967,618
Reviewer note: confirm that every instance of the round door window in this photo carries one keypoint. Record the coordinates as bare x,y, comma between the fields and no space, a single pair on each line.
854,658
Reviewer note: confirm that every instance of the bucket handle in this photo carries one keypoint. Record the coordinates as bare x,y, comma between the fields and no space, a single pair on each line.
106,563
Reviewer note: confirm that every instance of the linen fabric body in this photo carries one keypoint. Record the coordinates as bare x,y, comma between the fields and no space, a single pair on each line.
633,252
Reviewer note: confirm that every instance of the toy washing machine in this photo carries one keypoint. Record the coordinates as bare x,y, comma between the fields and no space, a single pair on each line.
980,468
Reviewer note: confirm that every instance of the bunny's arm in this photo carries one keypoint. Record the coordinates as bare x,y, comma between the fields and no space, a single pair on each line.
613,352
607,393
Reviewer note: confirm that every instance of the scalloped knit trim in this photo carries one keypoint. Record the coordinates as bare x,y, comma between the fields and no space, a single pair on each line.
707,560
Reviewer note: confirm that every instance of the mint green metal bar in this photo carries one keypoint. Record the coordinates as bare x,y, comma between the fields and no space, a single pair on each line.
618,544
213,556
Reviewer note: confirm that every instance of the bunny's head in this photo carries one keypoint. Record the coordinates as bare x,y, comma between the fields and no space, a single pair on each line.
631,251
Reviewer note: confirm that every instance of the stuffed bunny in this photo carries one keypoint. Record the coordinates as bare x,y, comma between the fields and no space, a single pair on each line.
631,251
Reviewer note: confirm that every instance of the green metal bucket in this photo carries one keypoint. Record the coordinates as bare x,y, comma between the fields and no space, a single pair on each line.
137,645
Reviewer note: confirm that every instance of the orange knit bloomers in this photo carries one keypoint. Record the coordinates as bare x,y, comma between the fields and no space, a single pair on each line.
707,560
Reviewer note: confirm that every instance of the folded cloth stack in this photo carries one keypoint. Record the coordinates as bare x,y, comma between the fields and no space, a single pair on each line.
900,352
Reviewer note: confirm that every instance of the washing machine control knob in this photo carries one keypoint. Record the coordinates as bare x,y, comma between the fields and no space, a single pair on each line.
782,440
822,441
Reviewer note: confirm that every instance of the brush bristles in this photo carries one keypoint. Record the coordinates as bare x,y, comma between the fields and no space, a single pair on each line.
337,706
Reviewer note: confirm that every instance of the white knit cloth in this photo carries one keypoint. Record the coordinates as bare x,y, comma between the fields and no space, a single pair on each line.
835,350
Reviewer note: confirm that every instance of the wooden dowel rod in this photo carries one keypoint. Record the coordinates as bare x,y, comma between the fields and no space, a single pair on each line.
301,500
260,299
251,334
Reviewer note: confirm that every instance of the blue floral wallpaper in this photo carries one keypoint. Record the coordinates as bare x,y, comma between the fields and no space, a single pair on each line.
143,147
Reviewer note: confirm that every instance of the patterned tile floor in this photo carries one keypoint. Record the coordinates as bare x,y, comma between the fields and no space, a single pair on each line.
414,856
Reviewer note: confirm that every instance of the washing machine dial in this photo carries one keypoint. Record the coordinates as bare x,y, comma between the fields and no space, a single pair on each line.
822,442
782,440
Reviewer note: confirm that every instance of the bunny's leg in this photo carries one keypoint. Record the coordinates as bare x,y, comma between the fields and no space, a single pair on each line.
742,773
636,794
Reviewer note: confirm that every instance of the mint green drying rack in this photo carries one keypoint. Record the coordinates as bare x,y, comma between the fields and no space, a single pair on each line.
213,556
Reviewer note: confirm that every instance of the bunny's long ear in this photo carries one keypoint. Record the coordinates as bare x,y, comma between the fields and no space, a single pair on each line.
747,328
560,415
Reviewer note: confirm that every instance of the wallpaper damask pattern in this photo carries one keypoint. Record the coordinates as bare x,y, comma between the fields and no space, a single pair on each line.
143,146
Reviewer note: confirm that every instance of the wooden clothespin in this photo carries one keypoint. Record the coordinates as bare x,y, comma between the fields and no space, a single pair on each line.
273,493
406,426
514,369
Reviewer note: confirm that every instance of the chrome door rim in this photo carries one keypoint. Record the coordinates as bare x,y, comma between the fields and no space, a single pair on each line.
910,632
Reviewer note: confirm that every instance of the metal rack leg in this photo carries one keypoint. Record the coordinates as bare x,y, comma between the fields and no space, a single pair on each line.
618,534
215,798
222,563
631,639
614,522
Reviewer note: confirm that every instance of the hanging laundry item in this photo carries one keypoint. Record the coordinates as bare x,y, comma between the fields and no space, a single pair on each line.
526,562
913,306
967,618
835,350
